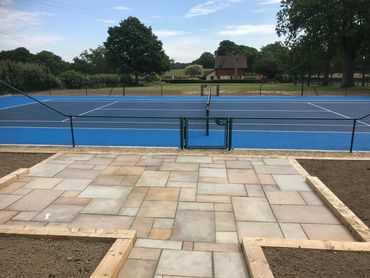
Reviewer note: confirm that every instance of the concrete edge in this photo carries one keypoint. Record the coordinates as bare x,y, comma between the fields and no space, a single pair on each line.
112,262
258,265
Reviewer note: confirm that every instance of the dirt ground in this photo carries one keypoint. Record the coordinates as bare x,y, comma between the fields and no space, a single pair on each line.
24,256
348,179
10,162
303,263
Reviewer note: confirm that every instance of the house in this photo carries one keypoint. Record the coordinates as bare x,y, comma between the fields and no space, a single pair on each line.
228,67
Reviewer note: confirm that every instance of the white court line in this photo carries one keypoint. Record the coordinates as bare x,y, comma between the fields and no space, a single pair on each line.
92,110
214,109
339,114
34,102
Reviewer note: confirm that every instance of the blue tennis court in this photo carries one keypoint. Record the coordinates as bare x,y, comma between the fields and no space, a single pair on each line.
297,123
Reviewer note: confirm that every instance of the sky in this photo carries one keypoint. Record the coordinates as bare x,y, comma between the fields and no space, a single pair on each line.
187,28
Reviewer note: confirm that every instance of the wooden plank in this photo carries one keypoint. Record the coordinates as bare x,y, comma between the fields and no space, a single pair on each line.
302,171
12,177
114,260
308,244
67,232
256,262
345,215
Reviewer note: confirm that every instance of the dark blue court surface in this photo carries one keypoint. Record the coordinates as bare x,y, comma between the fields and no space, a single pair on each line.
301,123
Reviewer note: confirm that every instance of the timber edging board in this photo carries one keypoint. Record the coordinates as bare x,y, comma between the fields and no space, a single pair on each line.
112,262
258,265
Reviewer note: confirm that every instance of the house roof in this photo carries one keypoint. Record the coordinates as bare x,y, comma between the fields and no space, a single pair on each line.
231,62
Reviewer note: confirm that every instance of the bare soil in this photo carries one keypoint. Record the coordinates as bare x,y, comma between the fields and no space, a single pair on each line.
348,179
25,256
10,162
303,263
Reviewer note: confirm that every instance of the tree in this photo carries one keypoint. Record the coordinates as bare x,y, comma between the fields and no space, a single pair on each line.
207,60
268,66
194,70
20,54
327,24
133,48
54,62
93,61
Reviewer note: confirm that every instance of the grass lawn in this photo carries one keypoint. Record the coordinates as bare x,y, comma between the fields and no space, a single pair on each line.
226,89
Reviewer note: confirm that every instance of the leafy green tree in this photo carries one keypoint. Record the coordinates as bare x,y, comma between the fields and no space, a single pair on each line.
20,54
268,66
329,24
54,62
133,48
194,70
207,60
93,61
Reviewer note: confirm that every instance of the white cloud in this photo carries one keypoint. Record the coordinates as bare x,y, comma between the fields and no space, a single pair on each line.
11,19
259,11
106,21
121,8
247,29
269,2
210,7
164,33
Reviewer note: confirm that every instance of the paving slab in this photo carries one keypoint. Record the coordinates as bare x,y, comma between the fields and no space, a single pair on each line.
195,206
7,200
153,178
138,269
103,206
78,174
252,209
36,200
304,214
157,243
46,170
311,198
106,192
71,201
108,180
292,231
190,176
156,233
25,215
276,161
43,183
6,215
142,226
226,237
134,200
327,232
73,184
291,182
258,229
194,226
140,253
284,198
179,166
237,164
163,223
254,190
162,194
225,222
242,176
275,170
211,172
230,265
188,194
185,263
58,213
162,209
194,159
130,170
102,221
221,189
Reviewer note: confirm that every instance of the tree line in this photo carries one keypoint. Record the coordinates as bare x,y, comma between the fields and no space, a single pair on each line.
320,38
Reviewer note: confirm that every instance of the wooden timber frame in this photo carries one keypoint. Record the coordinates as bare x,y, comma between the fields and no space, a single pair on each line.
258,265
112,262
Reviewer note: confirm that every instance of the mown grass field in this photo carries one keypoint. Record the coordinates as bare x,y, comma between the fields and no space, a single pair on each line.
225,89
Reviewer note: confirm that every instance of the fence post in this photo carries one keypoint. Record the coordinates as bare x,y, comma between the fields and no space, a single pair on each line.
72,131
207,121
181,133
230,129
353,135
161,89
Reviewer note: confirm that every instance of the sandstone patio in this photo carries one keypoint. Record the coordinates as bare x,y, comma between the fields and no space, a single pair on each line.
189,211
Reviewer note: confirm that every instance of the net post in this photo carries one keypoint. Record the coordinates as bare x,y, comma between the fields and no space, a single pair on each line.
182,133
72,131
230,131
207,121
353,135
161,89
